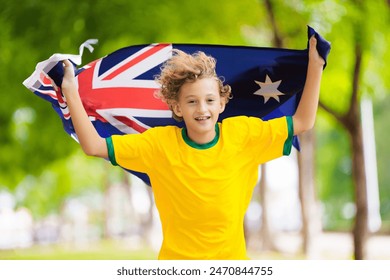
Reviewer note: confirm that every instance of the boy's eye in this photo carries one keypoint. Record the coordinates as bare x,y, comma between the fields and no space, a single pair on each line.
210,100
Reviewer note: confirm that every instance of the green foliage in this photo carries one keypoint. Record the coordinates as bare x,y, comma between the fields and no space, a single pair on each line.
335,180
342,22
333,172
367,22
382,128
34,149
70,176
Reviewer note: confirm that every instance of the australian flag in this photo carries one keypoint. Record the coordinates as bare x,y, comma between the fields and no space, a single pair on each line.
118,90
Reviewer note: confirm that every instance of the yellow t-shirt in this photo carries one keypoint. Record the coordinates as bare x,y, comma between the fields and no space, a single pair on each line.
202,191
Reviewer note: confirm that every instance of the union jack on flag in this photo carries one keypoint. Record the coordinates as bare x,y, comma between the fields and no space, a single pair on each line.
118,90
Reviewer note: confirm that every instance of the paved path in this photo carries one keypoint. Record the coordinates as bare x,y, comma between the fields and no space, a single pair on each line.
326,246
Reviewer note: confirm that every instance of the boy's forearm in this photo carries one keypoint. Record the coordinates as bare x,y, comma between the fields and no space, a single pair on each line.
305,115
90,141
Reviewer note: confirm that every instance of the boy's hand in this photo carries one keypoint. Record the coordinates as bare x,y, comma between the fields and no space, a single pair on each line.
69,81
314,57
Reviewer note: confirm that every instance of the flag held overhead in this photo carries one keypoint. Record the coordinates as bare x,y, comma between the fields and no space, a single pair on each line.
117,90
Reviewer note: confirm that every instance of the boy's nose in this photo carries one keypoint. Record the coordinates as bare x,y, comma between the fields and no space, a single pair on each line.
202,107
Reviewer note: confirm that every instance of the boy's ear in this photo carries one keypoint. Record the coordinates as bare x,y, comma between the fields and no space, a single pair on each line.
177,110
223,105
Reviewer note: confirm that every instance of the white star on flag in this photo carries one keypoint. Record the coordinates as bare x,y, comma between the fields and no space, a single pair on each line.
269,89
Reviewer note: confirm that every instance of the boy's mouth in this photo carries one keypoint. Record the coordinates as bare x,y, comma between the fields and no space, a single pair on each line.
202,118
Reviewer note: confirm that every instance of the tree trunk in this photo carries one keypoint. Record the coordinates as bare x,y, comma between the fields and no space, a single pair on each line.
311,220
277,38
360,231
353,124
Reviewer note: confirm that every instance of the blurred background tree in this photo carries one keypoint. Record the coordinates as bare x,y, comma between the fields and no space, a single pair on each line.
358,32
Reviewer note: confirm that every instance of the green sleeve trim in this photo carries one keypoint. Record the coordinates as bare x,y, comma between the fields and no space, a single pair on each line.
110,149
288,143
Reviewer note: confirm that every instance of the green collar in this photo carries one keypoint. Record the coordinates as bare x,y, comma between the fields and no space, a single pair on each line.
200,146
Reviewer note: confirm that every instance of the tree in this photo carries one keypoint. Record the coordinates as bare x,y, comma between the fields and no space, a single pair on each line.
358,30
305,157
360,22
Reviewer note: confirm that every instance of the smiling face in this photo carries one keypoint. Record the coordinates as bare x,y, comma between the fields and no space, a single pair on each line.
199,105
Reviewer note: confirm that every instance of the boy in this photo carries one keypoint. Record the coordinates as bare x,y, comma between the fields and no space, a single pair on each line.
202,175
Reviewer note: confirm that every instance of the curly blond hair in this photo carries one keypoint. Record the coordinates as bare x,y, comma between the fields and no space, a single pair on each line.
184,68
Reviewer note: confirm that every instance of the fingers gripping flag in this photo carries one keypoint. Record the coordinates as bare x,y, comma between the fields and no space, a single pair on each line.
117,90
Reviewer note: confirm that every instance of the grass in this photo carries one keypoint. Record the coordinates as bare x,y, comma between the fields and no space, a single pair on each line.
102,250
99,250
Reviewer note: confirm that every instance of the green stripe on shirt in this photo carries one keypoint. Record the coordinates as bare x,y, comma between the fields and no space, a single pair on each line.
110,149
288,143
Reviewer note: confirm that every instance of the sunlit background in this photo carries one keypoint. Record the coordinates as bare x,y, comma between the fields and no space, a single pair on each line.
57,203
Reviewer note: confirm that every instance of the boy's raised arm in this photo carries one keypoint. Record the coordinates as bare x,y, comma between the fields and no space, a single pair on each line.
91,142
305,114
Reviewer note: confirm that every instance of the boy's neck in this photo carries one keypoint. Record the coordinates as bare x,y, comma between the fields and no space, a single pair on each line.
201,141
